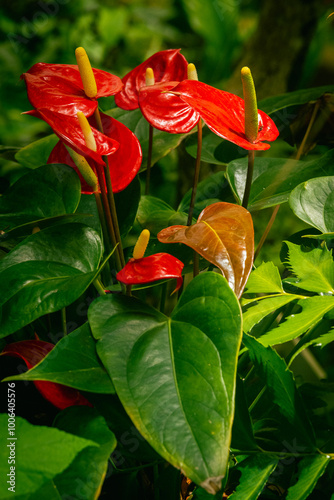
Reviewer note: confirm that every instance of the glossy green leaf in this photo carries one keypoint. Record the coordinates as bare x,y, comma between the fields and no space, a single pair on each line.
37,153
313,310
155,214
163,142
296,98
48,191
265,279
280,384
35,464
127,202
72,362
13,237
47,271
255,471
310,469
85,475
223,235
274,179
176,376
263,308
314,268
313,202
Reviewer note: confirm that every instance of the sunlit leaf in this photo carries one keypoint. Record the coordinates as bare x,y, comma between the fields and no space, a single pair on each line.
313,202
255,471
265,279
310,469
224,236
38,464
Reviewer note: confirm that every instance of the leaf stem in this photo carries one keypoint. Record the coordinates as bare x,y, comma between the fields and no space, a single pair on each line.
251,155
149,159
196,175
308,130
98,285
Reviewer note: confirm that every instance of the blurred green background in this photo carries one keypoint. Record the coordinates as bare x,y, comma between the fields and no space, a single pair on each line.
288,46
279,40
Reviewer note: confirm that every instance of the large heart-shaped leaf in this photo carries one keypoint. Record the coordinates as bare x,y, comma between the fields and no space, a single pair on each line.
275,178
313,202
47,271
47,191
155,214
224,236
176,376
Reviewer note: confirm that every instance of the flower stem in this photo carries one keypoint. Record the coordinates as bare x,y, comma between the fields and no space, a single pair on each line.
108,217
110,197
196,175
149,159
249,178
98,285
266,231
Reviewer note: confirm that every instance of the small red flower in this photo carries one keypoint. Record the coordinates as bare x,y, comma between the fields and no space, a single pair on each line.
58,87
167,65
152,268
32,352
124,163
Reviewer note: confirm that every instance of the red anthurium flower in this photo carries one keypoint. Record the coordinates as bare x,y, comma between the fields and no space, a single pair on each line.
166,111
58,87
224,114
167,65
152,268
124,163
68,129
32,352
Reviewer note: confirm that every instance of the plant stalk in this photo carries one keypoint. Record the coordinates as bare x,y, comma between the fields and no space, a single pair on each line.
251,155
196,175
149,159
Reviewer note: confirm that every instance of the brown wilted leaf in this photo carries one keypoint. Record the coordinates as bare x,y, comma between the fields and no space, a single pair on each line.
224,236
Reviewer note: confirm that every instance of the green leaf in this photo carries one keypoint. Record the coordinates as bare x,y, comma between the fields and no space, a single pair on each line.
47,271
242,431
163,142
85,475
313,310
255,471
48,191
280,384
35,464
297,98
127,202
265,279
274,179
37,153
313,202
176,377
310,469
263,308
72,362
313,268
155,214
